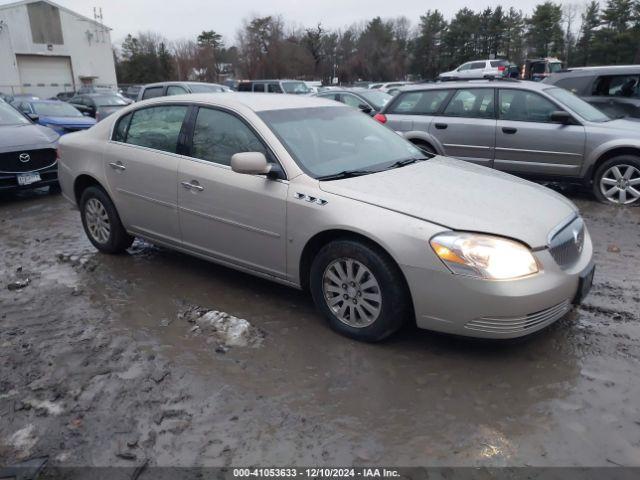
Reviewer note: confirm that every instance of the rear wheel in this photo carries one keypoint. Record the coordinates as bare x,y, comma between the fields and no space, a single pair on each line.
101,222
617,181
359,290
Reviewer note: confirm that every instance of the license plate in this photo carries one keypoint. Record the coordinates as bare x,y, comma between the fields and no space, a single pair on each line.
28,178
584,285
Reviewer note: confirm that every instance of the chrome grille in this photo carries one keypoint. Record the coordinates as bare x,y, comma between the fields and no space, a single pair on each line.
510,325
566,244
27,160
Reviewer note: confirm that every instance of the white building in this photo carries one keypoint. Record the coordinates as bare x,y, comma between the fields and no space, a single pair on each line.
46,49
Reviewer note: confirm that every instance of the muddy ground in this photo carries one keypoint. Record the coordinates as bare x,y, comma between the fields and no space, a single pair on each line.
98,367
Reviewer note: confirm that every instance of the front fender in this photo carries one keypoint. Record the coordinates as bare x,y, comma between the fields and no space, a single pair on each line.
425,137
603,148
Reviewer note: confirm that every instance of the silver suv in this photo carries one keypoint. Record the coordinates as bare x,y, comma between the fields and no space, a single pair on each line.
476,69
525,128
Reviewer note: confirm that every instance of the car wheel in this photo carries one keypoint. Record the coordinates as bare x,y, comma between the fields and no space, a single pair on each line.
359,290
101,222
617,181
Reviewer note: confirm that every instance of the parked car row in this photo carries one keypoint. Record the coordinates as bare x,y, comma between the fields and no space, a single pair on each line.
535,69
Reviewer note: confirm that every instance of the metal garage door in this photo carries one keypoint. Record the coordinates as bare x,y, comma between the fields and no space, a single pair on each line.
45,76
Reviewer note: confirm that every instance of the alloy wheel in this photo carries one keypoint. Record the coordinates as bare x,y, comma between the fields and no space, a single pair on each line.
97,220
620,184
352,292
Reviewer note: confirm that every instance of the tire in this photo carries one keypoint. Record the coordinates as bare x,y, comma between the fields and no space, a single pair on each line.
363,318
606,181
101,222
424,146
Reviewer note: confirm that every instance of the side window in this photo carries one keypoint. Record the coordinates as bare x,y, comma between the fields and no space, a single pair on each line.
472,103
523,106
617,86
26,108
329,96
218,135
175,90
258,87
464,67
575,85
351,100
157,127
120,132
244,86
478,65
427,102
152,92
274,88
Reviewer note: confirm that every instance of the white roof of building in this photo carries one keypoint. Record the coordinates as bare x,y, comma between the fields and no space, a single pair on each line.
60,7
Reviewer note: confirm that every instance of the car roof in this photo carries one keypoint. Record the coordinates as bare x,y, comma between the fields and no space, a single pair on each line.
355,90
505,83
162,84
257,102
619,69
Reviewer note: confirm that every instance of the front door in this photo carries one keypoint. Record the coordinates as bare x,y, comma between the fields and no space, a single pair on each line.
527,142
467,127
142,168
236,218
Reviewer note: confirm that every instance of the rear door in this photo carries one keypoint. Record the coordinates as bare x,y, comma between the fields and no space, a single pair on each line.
141,163
527,142
466,129
414,111
236,218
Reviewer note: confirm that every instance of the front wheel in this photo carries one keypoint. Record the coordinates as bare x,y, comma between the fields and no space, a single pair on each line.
359,290
101,222
617,181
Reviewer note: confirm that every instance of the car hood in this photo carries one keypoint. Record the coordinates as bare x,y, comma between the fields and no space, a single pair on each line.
25,137
621,124
66,121
462,196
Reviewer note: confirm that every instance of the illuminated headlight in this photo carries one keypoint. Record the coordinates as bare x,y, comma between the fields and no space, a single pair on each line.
484,256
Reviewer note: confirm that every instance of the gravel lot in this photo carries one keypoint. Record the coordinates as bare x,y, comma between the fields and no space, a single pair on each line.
102,366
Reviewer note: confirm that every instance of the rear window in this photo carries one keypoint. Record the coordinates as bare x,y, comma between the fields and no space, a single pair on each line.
244,87
477,65
426,102
152,92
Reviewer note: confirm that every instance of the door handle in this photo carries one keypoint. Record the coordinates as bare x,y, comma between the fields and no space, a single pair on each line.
193,185
509,130
441,126
117,166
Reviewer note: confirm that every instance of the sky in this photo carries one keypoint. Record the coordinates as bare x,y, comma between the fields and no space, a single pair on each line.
187,18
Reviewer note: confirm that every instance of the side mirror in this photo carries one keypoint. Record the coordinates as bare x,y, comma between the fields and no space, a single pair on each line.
250,163
34,117
364,108
560,116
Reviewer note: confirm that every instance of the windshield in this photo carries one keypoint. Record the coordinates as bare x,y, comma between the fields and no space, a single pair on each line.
377,99
109,100
295,87
555,67
577,105
10,116
203,88
58,109
329,140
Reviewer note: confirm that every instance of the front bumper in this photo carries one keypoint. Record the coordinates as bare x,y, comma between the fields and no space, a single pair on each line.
474,307
49,176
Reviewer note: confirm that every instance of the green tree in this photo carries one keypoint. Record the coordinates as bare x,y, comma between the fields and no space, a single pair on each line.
590,22
545,34
427,46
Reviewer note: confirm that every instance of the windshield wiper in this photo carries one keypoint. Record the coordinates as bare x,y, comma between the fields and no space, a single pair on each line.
406,161
346,174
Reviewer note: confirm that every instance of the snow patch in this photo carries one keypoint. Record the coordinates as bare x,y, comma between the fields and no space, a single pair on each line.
50,407
24,439
227,330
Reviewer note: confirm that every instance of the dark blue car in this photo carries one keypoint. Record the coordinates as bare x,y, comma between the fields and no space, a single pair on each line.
57,115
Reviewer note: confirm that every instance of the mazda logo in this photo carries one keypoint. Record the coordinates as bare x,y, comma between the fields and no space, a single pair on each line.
24,157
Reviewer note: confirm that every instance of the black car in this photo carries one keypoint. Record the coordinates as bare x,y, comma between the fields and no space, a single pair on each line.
367,100
98,105
615,90
27,152
64,96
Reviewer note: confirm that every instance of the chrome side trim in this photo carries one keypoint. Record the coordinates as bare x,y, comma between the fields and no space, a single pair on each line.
544,152
230,222
478,147
148,199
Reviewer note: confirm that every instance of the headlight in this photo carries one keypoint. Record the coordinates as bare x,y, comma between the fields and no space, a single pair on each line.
484,256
